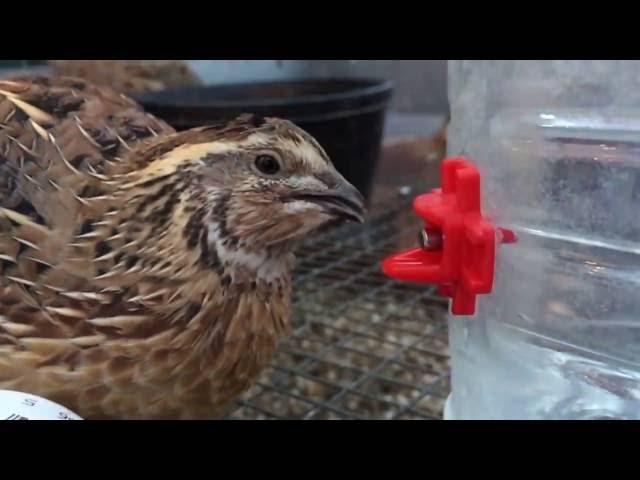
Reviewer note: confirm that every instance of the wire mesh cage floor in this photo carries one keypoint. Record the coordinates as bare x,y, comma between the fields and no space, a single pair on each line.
363,346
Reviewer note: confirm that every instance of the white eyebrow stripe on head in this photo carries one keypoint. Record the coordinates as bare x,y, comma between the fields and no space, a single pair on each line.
304,151
169,162
302,145
256,140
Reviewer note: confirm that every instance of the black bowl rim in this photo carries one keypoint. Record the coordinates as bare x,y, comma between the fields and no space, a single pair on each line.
363,87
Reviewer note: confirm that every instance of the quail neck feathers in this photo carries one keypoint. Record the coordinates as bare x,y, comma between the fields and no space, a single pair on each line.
146,273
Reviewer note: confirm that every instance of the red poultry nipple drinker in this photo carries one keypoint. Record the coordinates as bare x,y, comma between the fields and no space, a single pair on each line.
457,245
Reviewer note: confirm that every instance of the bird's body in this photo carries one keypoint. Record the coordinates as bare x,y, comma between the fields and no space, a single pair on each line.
147,273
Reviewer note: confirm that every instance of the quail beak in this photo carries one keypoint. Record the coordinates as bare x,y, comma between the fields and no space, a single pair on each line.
343,201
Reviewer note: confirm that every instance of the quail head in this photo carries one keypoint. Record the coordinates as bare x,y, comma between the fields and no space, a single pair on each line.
146,273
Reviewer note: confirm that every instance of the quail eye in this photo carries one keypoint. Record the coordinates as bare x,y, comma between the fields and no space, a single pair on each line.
267,164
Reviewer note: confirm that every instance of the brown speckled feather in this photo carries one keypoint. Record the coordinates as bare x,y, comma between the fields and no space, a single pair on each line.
129,76
111,302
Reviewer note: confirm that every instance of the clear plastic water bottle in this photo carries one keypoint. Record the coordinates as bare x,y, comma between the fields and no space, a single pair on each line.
547,328
558,148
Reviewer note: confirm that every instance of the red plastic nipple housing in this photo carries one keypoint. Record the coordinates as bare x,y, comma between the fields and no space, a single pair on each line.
458,243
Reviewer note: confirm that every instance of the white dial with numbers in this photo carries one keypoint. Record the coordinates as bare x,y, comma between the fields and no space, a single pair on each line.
23,406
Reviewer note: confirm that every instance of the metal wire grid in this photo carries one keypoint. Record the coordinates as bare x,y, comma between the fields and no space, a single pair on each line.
363,346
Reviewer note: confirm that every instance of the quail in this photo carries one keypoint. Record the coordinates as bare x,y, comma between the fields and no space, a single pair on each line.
146,273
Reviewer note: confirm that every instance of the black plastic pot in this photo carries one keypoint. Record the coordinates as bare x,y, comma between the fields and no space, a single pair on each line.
345,115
